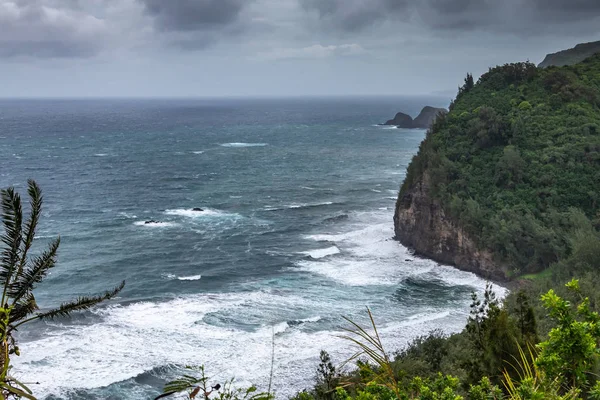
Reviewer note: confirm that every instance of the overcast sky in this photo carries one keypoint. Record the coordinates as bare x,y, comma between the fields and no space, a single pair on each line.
64,48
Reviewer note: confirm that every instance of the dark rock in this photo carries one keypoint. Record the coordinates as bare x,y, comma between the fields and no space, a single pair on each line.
427,116
197,209
423,121
151,222
401,120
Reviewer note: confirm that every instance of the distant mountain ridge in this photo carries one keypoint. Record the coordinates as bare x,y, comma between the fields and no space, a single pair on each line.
571,56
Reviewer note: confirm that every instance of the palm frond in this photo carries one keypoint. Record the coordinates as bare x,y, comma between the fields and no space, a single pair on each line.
35,202
81,304
27,278
25,307
12,218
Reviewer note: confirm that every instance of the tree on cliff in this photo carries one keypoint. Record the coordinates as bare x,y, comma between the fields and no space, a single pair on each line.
20,273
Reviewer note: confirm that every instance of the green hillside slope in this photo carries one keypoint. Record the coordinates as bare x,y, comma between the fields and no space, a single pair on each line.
503,182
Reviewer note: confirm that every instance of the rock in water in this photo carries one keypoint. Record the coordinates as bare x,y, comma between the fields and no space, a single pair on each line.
423,121
198,209
401,120
427,116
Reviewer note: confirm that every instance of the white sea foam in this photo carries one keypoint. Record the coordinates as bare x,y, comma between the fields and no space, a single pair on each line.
205,213
37,237
127,215
100,155
321,253
198,152
156,224
137,333
239,144
190,278
311,319
297,206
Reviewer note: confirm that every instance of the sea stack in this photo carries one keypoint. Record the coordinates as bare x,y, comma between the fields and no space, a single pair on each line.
423,121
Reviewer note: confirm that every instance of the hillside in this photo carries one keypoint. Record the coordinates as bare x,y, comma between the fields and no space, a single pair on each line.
571,56
503,184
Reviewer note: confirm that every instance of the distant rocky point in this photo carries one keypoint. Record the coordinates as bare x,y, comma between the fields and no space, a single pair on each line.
571,56
423,121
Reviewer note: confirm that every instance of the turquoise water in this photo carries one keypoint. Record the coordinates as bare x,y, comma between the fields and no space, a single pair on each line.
296,231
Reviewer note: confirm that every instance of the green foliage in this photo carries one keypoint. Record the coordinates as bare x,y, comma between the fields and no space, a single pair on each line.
485,390
199,386
571,350
327,378
525,105
518,151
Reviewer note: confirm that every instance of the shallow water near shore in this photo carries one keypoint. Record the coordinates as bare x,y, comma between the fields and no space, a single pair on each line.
294,232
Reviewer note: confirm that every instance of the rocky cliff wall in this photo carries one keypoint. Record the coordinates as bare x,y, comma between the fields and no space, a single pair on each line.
421,224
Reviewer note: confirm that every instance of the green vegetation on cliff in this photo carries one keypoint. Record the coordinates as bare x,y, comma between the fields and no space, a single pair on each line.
515,163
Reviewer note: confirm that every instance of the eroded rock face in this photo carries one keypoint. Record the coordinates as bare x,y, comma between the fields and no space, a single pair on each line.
421,224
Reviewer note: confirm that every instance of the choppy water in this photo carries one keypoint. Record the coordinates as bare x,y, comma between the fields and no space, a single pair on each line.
296,232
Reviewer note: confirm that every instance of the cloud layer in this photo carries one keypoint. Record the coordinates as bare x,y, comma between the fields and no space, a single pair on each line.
42,29
76,28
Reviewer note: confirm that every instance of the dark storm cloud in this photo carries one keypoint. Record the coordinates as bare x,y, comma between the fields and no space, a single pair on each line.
46,29
568,9
508,16
196,24
194,15
351,15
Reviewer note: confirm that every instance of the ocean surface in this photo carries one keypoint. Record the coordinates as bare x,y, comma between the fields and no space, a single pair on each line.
296,232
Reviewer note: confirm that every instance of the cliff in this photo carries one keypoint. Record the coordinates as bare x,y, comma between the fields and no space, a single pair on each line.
423,121
503,183
421,224
571,56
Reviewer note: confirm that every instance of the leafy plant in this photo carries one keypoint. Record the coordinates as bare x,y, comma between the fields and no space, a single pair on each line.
199,386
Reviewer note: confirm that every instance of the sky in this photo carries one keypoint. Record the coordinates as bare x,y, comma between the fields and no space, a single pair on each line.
256,48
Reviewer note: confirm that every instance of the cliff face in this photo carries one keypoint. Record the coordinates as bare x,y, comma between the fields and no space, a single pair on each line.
421,224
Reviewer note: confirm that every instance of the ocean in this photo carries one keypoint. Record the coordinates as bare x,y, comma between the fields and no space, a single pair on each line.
295,232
